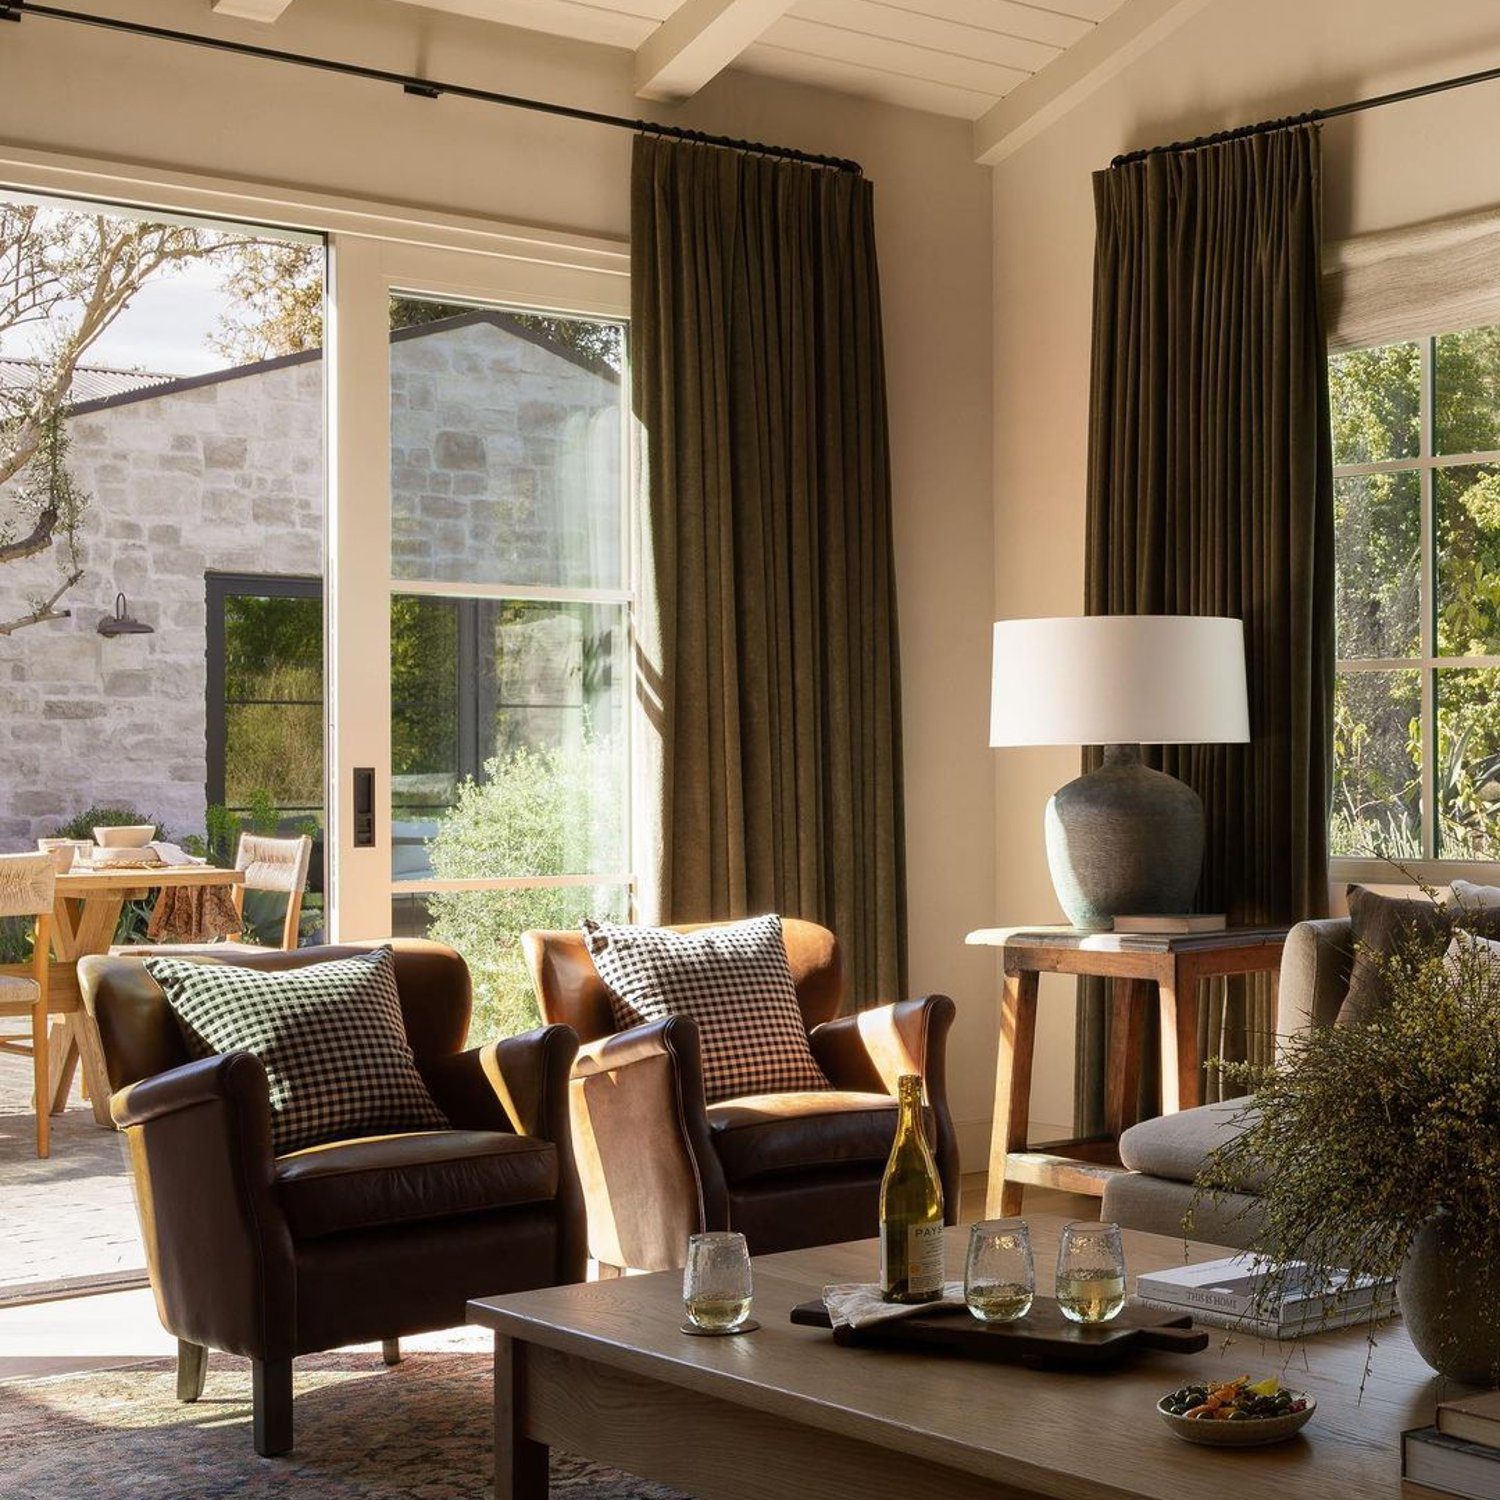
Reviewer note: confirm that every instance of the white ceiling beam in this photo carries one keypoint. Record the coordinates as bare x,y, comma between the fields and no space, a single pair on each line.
698,40
1116,42
251,10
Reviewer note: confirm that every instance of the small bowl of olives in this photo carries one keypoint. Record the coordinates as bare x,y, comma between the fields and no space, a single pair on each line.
1235,1413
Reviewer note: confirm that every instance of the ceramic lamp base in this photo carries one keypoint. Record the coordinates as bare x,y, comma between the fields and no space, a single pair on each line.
1124,840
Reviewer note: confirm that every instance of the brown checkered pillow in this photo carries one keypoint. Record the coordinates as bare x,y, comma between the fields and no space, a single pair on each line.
734,981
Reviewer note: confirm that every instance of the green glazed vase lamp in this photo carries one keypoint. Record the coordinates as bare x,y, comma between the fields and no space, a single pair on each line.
1123,840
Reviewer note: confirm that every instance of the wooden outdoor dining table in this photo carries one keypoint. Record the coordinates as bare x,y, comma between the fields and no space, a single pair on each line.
85,913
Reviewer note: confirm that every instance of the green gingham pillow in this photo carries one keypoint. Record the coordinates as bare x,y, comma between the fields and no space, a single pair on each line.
331,1037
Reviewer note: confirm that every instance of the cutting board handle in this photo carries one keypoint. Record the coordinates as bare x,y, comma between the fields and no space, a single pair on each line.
1174,1340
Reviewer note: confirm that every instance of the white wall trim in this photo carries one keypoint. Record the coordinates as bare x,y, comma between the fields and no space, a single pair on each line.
276,206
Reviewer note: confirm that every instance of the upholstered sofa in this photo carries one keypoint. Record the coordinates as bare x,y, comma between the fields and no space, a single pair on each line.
1165,1154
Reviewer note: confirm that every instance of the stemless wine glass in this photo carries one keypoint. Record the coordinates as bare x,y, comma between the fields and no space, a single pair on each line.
716,1282
1000,1273
1090,1272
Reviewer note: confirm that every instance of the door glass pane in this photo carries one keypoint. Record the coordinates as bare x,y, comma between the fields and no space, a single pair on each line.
506,439
1467,518
1377,795
1378,551
1468,763
485,926
161,396
1376,403
509,743
1466,391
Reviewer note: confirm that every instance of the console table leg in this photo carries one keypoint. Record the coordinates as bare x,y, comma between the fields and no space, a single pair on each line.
520,1463
1128,999
1181,1071
1012,1091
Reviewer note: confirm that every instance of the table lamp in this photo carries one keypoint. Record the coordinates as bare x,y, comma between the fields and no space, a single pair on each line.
1122,840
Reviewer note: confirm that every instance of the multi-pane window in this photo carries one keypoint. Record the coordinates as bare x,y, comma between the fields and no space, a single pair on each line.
1416,447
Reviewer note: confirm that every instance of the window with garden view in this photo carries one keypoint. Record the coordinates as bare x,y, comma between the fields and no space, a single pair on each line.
1416,446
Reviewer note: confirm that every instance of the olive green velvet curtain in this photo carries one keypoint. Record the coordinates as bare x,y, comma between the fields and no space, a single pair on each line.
767,636
1210,492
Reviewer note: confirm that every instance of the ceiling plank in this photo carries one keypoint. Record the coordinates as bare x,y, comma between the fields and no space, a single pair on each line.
932,32
251,10
1116,42
866,82
697,41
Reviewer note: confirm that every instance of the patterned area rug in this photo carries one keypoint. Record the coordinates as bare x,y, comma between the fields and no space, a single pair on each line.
418,1431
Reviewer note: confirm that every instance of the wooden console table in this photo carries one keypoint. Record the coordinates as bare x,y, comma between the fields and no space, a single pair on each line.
1134,963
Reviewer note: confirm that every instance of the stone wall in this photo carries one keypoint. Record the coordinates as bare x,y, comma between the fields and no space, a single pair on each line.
497,444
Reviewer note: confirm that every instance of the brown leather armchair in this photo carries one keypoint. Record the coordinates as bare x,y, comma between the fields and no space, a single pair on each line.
658,1163
351,1241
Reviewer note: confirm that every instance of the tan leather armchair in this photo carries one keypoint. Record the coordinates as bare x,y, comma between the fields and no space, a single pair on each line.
659,1163
350,1241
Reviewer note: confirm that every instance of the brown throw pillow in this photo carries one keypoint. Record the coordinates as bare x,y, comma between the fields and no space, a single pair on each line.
1381,926
1418,927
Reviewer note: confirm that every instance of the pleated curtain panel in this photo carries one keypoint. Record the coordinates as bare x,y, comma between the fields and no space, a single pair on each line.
767,633
1210,492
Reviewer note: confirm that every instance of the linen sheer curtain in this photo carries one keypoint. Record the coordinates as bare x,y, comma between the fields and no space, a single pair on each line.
1210,492
767,636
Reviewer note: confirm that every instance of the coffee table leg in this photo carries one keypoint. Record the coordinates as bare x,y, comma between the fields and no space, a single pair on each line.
520,1463
1012,1091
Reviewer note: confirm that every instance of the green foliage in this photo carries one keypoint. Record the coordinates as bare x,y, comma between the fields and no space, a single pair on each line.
1377,731
1361,1133
531,814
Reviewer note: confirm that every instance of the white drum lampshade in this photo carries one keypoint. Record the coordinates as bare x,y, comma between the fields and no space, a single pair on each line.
1122,840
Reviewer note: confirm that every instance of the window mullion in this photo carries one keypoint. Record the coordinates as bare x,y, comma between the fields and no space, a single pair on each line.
1429,612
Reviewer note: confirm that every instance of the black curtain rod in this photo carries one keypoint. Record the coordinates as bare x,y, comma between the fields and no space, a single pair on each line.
1354,107
425,88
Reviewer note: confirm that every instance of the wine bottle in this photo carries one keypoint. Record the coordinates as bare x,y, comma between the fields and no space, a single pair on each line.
911,1208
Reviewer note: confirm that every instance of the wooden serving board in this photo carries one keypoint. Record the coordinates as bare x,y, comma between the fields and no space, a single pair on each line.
1044,1337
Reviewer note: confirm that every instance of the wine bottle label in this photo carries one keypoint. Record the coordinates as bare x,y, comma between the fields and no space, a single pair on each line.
924,1258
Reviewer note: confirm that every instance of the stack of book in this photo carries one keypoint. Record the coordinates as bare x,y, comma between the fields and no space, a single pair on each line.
1229,1293
1460,1453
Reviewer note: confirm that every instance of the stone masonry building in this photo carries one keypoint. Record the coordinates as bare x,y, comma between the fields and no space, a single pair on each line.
505,468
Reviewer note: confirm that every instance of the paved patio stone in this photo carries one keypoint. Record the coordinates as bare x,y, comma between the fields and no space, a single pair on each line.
70,1218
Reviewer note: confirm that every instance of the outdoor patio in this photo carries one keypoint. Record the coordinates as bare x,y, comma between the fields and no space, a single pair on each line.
70,1222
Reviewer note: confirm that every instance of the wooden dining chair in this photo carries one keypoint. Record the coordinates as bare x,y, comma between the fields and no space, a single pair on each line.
27,883
269,864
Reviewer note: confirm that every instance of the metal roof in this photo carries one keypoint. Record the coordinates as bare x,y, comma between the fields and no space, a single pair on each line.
90,382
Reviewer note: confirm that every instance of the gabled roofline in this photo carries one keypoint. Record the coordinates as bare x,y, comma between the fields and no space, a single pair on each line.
506,322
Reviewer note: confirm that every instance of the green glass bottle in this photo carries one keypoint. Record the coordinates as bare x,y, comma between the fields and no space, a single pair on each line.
911,1209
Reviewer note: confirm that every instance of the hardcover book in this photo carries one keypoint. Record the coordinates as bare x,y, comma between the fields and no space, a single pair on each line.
1449,1464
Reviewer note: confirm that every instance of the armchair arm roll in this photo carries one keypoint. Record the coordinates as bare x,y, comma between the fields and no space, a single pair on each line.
650,1174
869,1051
199,1138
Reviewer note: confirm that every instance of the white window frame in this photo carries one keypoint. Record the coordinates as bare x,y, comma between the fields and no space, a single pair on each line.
1426,464
374,247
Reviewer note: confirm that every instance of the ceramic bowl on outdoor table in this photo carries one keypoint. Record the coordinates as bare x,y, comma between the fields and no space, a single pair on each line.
127,836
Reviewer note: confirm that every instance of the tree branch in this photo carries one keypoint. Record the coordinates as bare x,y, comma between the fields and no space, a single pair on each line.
38,539
45,610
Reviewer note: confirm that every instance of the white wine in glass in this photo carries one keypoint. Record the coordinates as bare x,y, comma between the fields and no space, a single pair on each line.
716,1282
911,1208
1090,1272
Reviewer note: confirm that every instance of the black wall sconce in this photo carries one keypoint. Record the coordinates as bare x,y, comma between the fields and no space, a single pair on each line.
122,622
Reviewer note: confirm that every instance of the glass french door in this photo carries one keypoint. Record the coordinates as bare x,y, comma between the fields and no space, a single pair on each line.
480,588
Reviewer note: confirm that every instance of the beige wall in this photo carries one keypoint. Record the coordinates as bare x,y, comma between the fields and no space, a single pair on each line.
72,90
1236,62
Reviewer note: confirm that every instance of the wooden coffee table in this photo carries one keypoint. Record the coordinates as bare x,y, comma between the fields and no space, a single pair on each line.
602,1371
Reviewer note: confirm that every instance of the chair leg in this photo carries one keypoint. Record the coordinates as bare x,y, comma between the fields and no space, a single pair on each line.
390,1350
192,1366
41,1074
271,1383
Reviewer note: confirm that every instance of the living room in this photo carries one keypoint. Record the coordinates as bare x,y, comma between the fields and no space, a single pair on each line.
432,513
